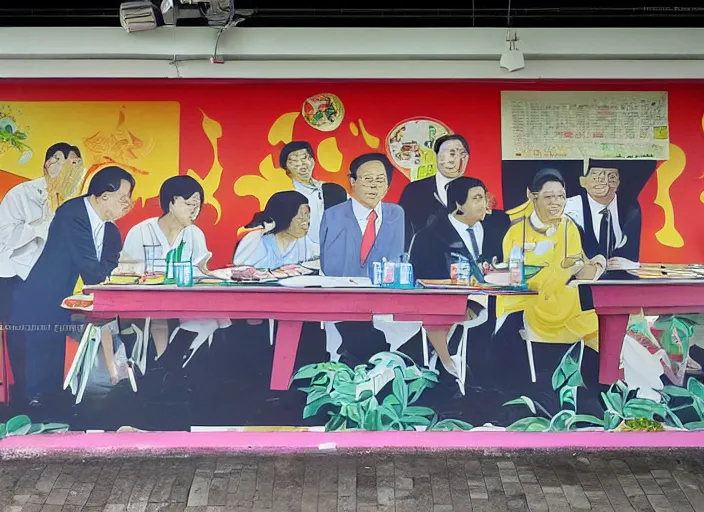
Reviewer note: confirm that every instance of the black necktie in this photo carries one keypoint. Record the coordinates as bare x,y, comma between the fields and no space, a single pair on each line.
606,234
475,245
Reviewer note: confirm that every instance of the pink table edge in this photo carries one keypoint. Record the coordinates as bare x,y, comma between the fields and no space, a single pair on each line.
133,444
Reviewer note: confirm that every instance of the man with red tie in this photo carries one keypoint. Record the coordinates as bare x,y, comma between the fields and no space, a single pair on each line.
354,234
363,229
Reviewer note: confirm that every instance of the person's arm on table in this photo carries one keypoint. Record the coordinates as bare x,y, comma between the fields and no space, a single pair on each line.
247,247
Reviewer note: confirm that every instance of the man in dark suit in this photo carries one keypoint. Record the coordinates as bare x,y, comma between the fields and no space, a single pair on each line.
464,230
609,224
363,229
425,199
82,242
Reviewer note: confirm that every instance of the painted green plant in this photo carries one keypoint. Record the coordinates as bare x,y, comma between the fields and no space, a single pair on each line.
23,426
375,396
566,381
690,399
623,409
12,136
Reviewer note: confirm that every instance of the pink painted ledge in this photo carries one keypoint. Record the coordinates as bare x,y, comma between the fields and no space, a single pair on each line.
202,443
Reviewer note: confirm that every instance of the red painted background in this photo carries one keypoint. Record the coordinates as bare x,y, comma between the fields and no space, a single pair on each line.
246,111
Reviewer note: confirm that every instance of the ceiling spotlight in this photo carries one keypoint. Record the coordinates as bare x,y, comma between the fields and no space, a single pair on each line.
139,15
512,60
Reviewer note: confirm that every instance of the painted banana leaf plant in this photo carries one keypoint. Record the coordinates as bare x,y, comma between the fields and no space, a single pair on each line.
23,426
566,381
623,410
376,396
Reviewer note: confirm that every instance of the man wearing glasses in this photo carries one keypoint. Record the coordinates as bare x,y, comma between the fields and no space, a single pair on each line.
84,242
423,200
610,224
363,229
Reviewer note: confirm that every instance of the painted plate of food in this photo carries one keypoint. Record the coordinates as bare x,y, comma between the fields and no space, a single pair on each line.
409,145
323,112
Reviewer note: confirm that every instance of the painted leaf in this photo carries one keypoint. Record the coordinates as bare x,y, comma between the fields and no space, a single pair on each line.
612,401
696,390
400,388
530,424
313,408
567,367
412,373
56,428
694,425
523,400
415,389
415,420
676,391
419,411
611,420
336,423
391,401
451,424
568,396
575,380
559,422
430,375
584,418
18,426
354,413
642,408
3,430
388,360
316,393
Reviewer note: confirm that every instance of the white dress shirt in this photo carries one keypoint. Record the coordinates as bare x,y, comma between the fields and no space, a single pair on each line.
97,227
25,216
596,210
441,183
361,213
461,229
314,194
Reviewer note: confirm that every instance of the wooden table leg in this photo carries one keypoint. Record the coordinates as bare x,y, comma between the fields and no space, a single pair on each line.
612,330
288,336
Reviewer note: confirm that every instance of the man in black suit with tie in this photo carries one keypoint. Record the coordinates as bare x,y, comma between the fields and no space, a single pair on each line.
425,199
82,241
609,223
464,230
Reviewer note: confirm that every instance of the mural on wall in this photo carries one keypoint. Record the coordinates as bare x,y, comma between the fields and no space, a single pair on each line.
317,187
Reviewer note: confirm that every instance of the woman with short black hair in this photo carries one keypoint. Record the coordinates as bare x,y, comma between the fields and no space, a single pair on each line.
280,234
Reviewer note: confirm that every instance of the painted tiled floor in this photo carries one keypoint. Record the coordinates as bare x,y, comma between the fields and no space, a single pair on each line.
345,483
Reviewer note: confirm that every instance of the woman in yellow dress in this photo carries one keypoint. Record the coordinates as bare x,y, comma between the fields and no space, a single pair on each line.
551,240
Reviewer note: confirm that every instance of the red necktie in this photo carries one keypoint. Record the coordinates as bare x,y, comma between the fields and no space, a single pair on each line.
368,237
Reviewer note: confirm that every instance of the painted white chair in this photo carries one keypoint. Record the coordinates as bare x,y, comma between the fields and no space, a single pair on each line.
460,358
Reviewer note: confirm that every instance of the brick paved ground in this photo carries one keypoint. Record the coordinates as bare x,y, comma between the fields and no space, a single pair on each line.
356,483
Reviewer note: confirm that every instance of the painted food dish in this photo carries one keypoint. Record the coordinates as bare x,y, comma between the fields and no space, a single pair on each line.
500,277
409,145
247,274
78,303
323,112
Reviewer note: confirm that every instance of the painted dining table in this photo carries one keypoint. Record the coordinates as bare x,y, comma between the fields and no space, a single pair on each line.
436,308
615,300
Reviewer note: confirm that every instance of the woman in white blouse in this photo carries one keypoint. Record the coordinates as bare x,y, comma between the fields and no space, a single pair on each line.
280,235
181,199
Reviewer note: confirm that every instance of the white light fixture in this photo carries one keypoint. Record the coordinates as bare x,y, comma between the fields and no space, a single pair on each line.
138,15
512,60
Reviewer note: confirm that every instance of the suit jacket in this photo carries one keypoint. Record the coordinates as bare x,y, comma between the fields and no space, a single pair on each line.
629,218
432,247
69,253
420,205
341,240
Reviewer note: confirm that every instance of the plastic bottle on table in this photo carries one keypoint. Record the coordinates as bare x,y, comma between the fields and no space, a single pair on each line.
516,275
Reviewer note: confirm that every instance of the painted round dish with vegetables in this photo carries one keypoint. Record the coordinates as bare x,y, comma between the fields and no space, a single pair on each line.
323,112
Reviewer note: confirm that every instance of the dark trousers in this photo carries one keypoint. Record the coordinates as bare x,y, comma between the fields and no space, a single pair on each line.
37,359
7,285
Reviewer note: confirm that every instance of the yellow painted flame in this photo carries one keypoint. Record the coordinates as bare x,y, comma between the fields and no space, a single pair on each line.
354,129
371,140
211,182
262,187
282,129
329,155
667,173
